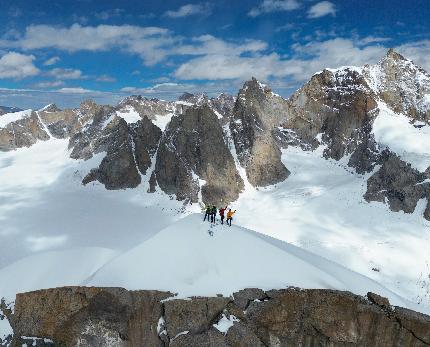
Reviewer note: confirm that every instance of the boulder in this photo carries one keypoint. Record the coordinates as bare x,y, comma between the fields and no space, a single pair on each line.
243,297
195,316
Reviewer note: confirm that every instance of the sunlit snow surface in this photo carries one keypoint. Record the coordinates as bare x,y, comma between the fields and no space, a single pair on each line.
13,117
396,132
54,232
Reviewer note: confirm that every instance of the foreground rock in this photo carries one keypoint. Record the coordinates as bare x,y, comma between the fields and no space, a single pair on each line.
72,316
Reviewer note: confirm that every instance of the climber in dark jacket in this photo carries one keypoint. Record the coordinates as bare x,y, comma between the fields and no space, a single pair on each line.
222,213
213,215
208,213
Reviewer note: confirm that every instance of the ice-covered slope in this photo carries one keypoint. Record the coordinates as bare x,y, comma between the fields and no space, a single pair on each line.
395,132
44,206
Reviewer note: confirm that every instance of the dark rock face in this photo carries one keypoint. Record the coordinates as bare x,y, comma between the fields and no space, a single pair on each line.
397,183
291,317
193,144
256,113
129,148
223,104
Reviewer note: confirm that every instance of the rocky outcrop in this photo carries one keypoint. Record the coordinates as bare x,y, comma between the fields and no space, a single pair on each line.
256,113
83,316
223,104
129,149
60,124
192,149
23,132
398,184
90,316
334,108
151,108
402,85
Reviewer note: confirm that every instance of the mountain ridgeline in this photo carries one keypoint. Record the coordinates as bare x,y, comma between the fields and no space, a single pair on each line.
210,149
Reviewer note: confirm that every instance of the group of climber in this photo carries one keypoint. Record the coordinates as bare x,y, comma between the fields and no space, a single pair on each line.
211,212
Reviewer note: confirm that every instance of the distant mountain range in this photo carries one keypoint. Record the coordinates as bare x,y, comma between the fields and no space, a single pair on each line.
5,109
210,148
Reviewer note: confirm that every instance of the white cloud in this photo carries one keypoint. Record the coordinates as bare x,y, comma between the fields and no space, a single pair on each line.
65,74
108,14
105,78
373,39
418,51
219,67
204,9
208,44
17,65
148,42
160,88
268,6
74,90
305,61
43,243
322,9
49,84
52,61
152,44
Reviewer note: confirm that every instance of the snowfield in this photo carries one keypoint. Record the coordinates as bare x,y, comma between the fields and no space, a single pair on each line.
313,231
13,117
396,132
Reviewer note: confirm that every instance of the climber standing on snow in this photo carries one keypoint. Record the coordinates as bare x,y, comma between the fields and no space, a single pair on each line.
222,213
213,214
208,212
230,214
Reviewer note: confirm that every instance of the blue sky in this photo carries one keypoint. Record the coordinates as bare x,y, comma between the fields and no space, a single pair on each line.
69,51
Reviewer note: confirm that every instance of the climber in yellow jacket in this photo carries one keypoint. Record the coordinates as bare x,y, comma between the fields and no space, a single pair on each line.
230,214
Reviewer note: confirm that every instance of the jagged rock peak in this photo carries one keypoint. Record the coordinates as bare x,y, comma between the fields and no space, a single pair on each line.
50,108
198,99
391,53
185,96
88,103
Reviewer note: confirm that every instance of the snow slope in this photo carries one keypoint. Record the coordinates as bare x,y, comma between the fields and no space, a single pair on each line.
44,206
192,257
13,117
396,132
320,208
